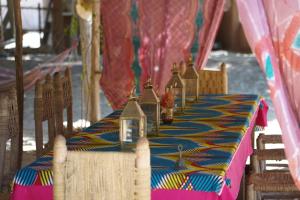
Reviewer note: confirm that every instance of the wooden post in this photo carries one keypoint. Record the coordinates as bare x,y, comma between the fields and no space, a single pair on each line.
19,74
11,16
1,27
57,26
85,41
95,72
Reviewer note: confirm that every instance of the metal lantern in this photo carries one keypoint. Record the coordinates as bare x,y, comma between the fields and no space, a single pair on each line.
132,123
150,104
191,78
177,87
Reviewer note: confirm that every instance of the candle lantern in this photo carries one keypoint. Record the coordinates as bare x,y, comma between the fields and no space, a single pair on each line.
150,104
191,78
132,123
177,88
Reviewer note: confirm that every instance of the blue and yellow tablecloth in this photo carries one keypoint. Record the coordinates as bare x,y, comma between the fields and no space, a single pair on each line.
210,132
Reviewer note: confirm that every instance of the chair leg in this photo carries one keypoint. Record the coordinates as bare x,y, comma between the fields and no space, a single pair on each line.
251,194
70,120
14,155
3,140
38,137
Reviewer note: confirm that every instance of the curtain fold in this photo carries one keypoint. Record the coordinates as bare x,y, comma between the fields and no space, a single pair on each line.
158,33
212,15
117,77
167,30
272,29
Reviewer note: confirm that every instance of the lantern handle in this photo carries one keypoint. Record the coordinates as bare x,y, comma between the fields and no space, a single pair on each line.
133,92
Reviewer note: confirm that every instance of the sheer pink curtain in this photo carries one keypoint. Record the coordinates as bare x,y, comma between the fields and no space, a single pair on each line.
117,77
272,28
167,29
212,15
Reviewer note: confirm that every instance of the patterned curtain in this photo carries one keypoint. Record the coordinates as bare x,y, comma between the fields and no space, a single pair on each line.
272,28
143,38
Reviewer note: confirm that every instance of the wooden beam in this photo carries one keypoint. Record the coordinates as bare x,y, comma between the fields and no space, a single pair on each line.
19,74
58,26
95,72
85,29
11,18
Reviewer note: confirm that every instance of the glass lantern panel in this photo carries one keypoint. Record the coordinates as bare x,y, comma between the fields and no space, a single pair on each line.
150,111
191,89
177,92
130,130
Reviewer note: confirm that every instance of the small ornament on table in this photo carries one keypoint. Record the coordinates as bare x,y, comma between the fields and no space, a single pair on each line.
167,105
133,123
180,164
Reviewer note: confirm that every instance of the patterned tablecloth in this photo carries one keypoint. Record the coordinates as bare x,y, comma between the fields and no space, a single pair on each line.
210,132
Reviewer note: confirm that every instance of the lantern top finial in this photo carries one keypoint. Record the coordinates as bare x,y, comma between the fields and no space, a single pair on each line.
190,72
148,84
175,69
190,61
132,96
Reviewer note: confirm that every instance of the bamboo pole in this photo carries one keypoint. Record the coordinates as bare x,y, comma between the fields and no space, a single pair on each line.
10,7
19,74
85,40
58,41
95,75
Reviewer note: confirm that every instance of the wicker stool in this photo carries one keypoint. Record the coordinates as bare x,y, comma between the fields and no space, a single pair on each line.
101,175
212,81
272,185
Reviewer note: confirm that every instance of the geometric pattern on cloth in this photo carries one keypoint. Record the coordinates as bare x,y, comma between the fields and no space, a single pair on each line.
209,131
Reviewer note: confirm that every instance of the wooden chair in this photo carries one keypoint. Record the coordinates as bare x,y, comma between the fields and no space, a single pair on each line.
63,100
44,111
272,184
9,129
261,142
212,81
101,175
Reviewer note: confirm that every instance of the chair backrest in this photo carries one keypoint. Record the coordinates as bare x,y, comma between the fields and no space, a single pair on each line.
63,100
9,129
101,175
213,81
44,111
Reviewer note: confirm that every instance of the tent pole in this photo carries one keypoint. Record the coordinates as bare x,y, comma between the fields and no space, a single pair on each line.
11,15
58,41
85,40
95,75
19,75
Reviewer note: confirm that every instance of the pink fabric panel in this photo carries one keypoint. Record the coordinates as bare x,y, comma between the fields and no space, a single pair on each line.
272,29
36,192
245,149
117,77
261,119
167,29
212,15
